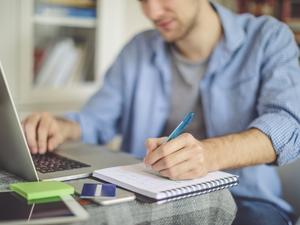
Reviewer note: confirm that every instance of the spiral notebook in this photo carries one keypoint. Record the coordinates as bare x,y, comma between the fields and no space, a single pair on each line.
141,180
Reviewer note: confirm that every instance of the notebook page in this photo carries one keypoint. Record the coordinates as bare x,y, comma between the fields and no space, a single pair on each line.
142,180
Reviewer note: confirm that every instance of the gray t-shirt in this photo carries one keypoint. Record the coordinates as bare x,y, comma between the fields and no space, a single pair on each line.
185,94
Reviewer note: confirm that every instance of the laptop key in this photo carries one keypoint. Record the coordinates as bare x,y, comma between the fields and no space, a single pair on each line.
51,162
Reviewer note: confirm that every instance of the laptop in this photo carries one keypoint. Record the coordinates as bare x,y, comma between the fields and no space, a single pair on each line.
70,161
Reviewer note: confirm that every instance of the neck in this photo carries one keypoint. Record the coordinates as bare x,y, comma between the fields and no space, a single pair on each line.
200,42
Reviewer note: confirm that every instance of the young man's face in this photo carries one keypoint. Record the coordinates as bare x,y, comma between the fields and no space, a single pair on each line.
174,19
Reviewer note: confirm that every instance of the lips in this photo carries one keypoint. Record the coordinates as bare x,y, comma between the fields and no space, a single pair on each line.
166,24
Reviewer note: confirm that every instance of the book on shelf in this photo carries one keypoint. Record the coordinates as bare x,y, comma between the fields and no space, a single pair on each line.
258,7
287,11
66,69
78,73
39,57
229,4
290,14
290,10
62,11
66,8
88,72
71,3
282,9
62,64
297,37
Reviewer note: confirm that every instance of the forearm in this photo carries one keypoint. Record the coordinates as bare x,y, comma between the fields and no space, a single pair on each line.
243,149
71,130
185,157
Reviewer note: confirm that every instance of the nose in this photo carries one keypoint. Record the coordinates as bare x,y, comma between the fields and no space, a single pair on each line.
153,9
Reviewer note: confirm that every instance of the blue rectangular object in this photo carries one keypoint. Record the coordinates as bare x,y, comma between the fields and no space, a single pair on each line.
89,190
98,190
108,190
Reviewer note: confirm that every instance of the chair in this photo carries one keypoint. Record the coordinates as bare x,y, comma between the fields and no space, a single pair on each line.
290,178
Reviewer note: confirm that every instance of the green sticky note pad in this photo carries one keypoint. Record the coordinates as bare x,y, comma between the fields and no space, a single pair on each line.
44,200
42,189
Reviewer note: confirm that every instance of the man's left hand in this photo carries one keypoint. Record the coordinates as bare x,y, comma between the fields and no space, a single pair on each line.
179,159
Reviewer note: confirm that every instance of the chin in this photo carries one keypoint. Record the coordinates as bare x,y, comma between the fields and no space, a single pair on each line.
171,36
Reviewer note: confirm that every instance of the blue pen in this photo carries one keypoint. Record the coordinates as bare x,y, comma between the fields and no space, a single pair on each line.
183,124
180,128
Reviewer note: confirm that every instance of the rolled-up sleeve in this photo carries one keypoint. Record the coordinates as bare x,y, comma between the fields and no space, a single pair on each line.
278,103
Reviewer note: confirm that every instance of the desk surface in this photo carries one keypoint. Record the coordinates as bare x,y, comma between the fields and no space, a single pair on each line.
213,208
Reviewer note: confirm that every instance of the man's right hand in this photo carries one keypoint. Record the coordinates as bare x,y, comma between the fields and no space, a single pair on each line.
44,132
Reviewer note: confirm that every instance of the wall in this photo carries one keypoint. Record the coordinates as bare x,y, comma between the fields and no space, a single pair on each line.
130,20
9,46
135,20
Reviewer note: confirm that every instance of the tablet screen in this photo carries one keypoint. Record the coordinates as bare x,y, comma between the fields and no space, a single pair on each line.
14,207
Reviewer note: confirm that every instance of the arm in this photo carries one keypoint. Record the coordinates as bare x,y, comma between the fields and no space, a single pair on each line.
95,123
185,157
239,150
101,117
273,137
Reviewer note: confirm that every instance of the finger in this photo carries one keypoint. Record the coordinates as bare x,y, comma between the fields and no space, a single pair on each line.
54,136
173,159
177,170
53,142
30,125
153,143
168,148
42,134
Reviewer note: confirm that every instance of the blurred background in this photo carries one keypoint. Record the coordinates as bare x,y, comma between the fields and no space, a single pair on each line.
55,52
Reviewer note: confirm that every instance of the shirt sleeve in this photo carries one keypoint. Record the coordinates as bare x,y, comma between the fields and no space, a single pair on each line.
100,116
278,103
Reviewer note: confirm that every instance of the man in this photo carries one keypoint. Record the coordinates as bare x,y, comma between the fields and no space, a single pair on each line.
240,75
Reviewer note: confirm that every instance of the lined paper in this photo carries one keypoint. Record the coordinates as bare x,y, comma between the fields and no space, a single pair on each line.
144,181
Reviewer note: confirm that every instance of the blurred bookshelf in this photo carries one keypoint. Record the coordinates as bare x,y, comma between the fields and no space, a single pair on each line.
287,11
65,49
67,22
67,45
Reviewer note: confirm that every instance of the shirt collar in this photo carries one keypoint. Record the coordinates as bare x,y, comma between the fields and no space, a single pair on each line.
234,34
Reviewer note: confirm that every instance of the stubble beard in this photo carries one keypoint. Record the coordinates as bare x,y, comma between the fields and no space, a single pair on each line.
188,29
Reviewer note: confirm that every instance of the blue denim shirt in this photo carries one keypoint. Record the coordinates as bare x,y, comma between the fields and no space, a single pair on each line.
252,80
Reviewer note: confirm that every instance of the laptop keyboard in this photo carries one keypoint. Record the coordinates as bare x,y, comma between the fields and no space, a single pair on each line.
50,162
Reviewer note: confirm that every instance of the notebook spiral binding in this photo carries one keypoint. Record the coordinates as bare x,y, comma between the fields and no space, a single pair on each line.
199,189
